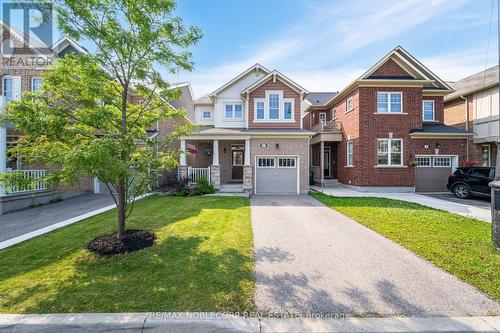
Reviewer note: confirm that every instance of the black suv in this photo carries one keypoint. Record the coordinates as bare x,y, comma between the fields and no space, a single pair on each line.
471,180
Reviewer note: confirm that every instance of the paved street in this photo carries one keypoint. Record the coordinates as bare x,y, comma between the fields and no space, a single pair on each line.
310,258
24,221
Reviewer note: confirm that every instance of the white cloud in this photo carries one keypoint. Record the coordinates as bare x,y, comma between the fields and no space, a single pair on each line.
305,52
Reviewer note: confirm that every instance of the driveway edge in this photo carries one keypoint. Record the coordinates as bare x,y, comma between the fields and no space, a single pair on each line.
220,322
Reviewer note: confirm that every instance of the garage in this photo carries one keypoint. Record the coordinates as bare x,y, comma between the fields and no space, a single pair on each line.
276,175
432,172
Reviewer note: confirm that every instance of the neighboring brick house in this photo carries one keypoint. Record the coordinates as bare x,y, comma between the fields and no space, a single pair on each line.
385,130
473,106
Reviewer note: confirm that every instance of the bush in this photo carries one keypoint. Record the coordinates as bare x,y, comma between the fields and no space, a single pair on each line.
203,186
180,186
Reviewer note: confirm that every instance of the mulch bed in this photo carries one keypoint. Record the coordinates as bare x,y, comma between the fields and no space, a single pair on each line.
134,240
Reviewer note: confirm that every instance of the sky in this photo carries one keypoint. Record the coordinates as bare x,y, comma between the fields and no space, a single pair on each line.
324,45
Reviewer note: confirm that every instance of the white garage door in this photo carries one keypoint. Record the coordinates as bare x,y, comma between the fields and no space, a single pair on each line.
276,175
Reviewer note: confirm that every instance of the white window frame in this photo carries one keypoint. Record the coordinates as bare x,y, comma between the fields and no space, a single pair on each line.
281,111
33,78
441,157
286,158
428,158
322,114
389,152
389,93
433,109
207,111
489,154
11,78
334,114
265,166
349,105
351,153
255,101
233,118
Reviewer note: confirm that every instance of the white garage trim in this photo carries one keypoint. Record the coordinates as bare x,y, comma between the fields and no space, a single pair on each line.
454,160
276,165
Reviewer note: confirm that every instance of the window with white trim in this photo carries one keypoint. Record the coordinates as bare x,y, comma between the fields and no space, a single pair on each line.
389,152
286,162
389,102
265,162
207,114
349,153
322,117
234,111
8,89
334,114
36,83
428,112
442,162
288,110
259,109
274,106
423,161
349,105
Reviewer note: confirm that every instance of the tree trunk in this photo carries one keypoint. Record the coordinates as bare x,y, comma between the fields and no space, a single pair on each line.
122,207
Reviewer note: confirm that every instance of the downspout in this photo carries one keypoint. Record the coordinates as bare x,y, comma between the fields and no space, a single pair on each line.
466,123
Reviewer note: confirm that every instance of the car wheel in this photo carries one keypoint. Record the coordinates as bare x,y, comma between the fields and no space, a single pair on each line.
461,191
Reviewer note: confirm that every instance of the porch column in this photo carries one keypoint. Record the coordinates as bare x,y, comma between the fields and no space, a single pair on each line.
247,168
215,167
216,153
322,162
183,169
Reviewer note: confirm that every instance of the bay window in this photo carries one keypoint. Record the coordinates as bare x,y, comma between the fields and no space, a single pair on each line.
389,102
389,152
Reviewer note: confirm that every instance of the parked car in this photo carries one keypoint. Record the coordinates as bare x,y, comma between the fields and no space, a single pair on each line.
471,180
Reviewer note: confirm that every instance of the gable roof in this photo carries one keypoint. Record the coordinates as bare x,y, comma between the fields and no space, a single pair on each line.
474,83
34,44
275,75
203,100
64,42
420,75
227,84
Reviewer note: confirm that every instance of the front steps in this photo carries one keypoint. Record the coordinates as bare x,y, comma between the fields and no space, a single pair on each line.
235,190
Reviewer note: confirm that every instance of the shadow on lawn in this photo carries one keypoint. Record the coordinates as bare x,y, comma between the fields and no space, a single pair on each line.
176,274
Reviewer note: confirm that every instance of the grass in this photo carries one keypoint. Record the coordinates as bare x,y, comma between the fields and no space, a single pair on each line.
202,261
457,244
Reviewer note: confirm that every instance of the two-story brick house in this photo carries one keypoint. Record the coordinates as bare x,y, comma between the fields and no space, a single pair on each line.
384,131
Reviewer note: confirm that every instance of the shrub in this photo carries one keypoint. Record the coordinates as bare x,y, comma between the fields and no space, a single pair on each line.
203,186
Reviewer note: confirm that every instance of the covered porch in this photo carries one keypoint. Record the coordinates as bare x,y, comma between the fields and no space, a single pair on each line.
324,150
225,162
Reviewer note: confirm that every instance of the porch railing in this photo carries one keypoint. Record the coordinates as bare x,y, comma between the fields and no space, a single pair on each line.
31,180
195,174
327,126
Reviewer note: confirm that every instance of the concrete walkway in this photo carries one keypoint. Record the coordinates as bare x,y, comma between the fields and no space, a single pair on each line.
470,209
312,259
28,220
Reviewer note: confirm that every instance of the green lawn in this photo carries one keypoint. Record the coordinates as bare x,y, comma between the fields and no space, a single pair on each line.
202,261
457,244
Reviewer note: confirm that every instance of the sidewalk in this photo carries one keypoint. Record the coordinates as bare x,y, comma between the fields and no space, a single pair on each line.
469,210
219,322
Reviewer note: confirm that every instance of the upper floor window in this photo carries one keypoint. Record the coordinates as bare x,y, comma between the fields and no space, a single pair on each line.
259,109
274,106
322,117
8,89
389,151
349,153
389,102
206,114
349,105
334,114
288,110
428,113
36,83
234,111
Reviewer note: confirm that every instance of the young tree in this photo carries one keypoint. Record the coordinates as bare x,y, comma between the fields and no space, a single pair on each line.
93,113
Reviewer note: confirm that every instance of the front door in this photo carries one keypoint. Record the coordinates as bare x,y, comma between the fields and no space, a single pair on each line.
327,162
237,164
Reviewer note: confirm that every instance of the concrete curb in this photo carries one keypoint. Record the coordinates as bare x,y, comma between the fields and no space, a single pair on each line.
219,322
59,225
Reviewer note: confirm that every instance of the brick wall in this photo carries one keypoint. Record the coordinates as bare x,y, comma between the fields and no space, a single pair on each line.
390,68
438,108
261,93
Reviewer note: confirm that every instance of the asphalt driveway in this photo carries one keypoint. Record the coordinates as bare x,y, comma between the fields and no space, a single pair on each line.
312,259
24,221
